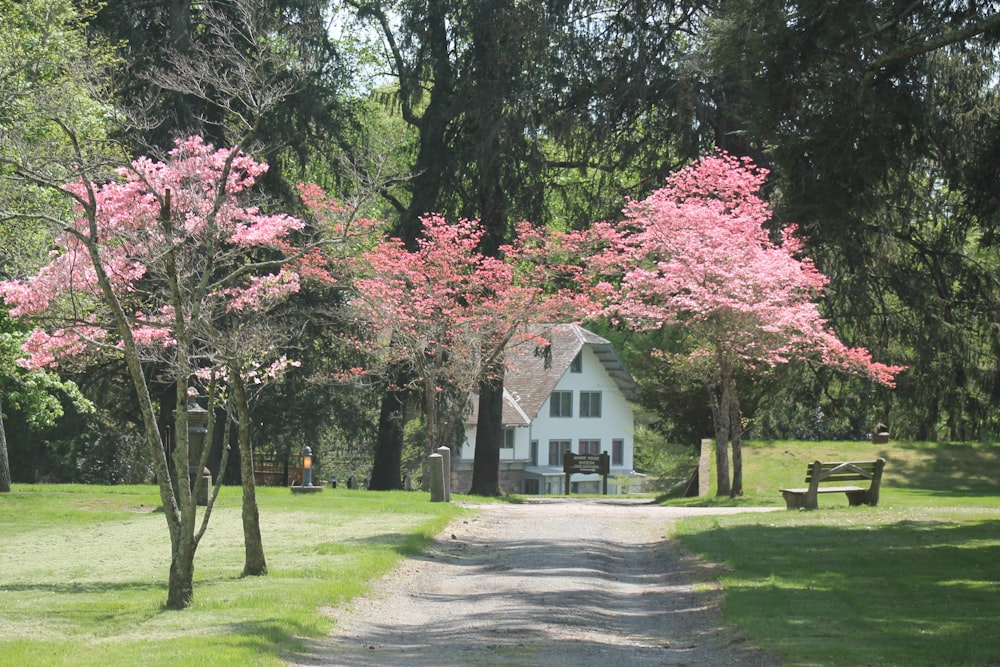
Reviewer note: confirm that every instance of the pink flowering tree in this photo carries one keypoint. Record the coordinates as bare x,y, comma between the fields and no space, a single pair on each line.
153,267
448,312
696,254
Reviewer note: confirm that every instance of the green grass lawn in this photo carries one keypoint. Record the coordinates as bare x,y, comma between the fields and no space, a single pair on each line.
83,573
914,581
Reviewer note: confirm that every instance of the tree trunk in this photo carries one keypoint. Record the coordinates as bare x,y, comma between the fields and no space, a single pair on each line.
180,25
253,545
4,461
433,123
430,414
178,501
386,469
387,465
489,437
720,419
488,135
184,544
178,506
180,586
736,436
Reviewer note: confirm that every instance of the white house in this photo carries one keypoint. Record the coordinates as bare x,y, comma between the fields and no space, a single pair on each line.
571,393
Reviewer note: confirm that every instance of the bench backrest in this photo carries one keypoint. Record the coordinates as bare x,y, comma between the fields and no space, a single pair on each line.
845,471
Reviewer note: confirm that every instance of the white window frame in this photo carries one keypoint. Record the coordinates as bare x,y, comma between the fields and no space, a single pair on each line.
561,408
558,448
587,404
618,452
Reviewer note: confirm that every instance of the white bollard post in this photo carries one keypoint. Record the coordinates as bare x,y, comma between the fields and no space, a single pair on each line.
445,453
435,463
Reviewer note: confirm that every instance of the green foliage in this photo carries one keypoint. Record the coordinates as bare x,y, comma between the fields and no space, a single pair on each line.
549,113
86,608
308,407
36,399
414,450
96,449
808,403
50,73
51,86
674,404
367,168
260,52
669,465
47,63
39,395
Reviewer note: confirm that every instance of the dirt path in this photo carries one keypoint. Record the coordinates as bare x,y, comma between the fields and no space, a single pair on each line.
546,583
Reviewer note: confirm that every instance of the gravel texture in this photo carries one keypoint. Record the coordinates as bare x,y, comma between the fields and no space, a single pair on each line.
550,582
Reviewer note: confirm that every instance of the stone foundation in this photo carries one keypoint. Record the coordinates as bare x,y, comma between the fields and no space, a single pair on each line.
461,481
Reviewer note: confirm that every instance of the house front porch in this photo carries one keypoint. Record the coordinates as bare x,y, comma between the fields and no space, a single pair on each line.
523,478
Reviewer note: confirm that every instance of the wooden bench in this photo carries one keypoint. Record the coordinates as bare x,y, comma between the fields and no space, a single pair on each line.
819,472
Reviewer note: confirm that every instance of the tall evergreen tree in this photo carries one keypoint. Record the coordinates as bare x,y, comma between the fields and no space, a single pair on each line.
878,120
209,69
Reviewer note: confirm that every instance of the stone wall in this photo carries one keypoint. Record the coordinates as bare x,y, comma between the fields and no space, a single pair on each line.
461,481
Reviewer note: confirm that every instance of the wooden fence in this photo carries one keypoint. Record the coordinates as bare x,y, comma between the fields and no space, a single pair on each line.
271,470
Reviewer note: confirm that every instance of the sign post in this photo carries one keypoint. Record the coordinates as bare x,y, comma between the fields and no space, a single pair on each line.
587,464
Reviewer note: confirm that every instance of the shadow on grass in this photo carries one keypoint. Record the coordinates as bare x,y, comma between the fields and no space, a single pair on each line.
907,593
407,545
265,635
83,588
943,469
707,501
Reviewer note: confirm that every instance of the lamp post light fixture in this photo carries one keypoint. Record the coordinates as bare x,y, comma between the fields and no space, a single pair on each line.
307,474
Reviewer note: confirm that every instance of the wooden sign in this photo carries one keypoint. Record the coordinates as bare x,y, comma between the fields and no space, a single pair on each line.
587,464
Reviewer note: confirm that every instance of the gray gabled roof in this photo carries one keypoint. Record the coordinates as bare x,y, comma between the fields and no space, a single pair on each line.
534,369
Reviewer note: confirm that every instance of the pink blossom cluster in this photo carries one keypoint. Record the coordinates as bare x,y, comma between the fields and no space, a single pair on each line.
261,291
65,268
154,330
339,221
445,302
345,235
181,220
698,253
254,229
45,349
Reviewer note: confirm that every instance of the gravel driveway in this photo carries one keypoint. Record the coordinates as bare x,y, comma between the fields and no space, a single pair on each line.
550,582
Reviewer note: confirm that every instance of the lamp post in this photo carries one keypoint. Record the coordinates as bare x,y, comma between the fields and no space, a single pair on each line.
307,467
197,429
307,474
